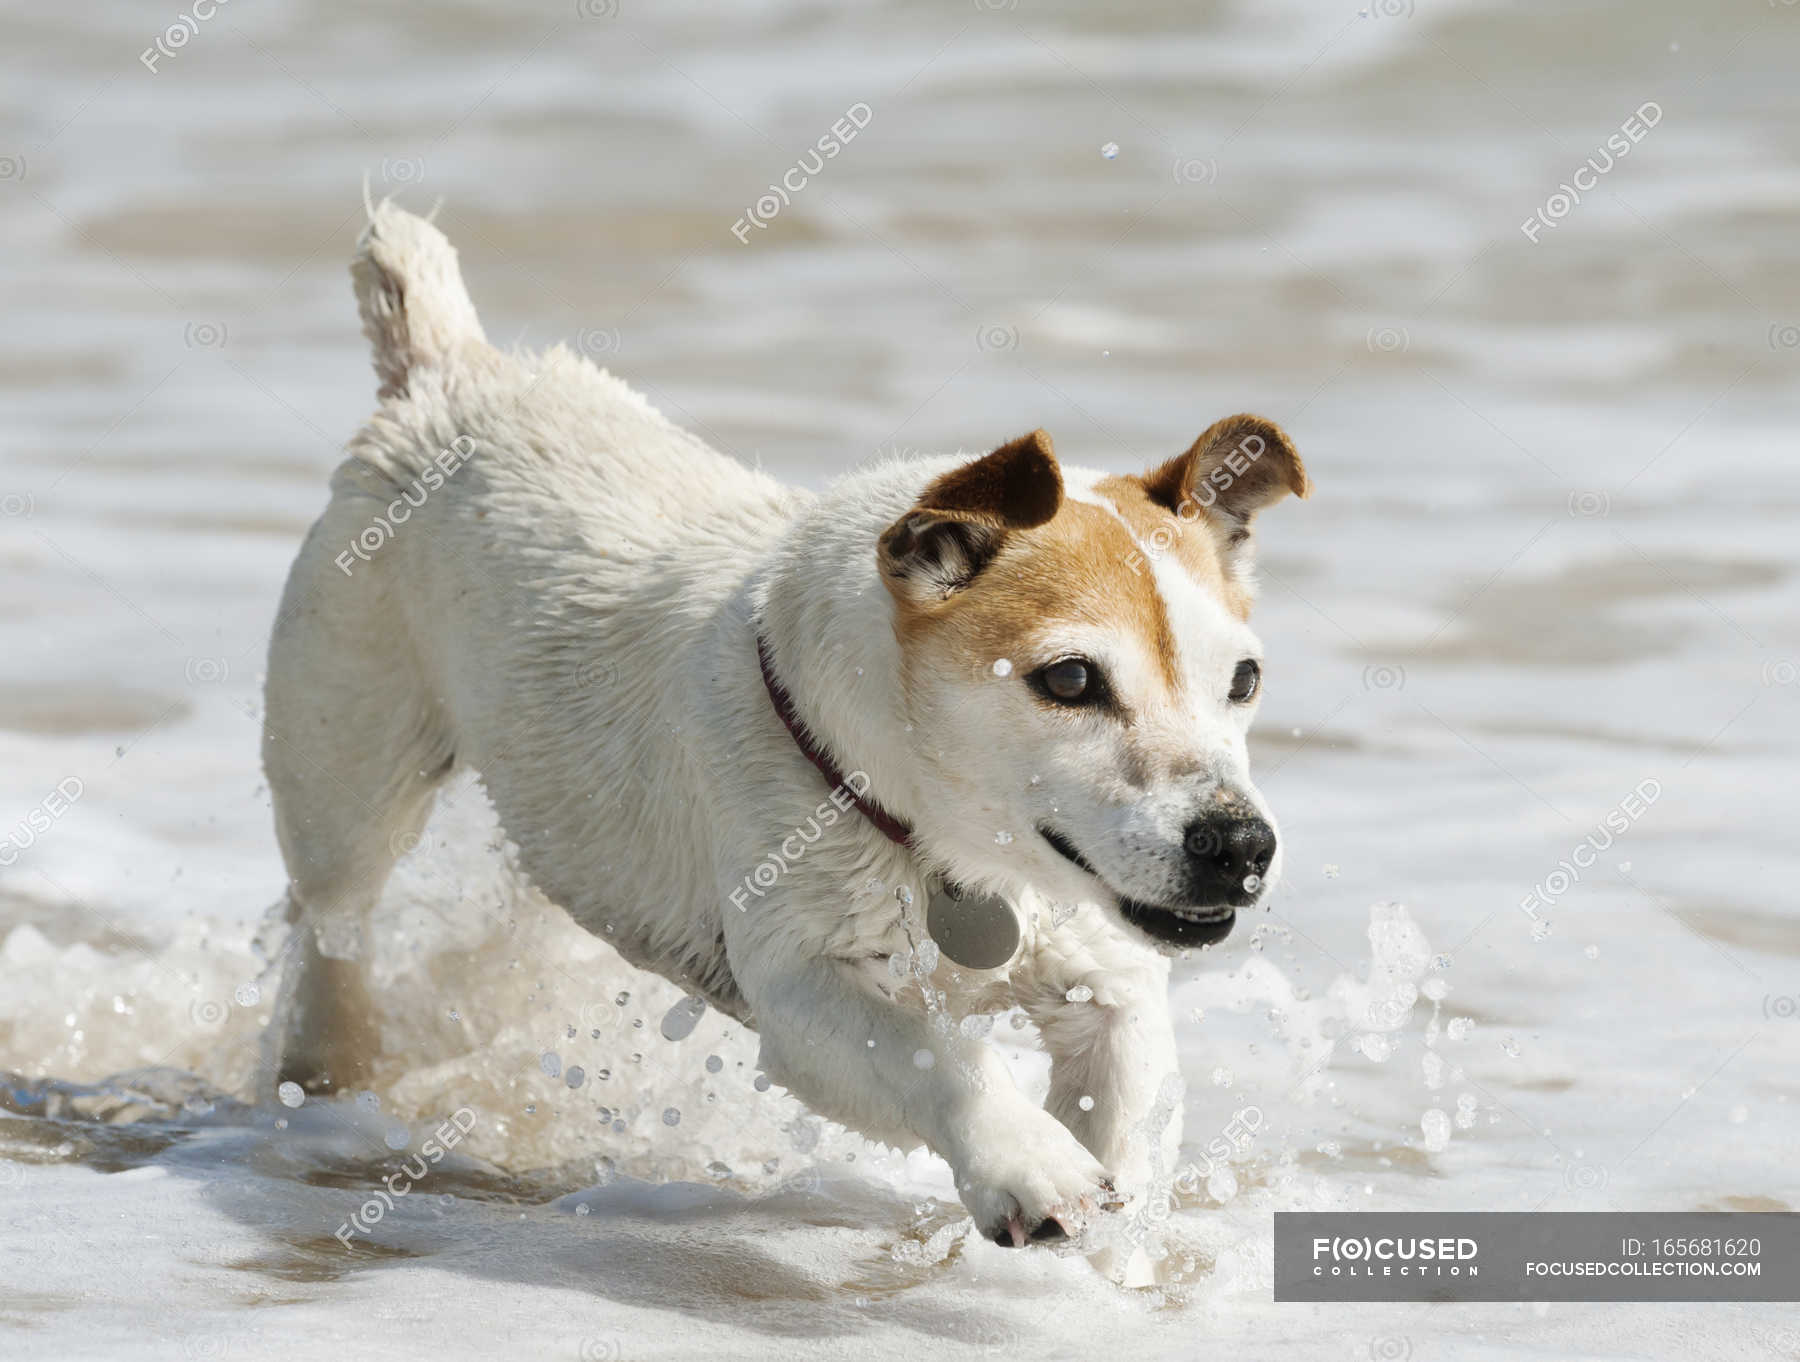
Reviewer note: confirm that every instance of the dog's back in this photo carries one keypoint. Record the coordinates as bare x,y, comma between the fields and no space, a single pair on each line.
552,426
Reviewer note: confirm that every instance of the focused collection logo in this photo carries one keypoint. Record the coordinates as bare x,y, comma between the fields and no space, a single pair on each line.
1394,1256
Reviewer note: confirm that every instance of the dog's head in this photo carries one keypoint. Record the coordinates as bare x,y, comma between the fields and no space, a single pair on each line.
1079,673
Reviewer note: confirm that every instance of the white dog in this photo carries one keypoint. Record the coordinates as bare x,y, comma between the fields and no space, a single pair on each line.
763,739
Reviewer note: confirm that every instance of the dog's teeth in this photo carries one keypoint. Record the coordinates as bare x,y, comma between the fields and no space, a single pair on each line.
1190,915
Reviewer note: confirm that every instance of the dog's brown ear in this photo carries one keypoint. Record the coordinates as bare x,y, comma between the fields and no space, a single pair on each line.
961,519
1236,467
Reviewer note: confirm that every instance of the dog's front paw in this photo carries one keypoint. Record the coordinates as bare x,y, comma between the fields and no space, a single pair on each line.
1025,1178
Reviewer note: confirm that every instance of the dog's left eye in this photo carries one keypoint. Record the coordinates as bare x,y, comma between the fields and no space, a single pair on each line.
1072,681
1245,680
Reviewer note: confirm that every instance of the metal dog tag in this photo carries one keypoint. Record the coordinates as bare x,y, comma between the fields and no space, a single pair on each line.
977,931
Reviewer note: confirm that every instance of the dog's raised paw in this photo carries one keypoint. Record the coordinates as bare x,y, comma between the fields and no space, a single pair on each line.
1036,1185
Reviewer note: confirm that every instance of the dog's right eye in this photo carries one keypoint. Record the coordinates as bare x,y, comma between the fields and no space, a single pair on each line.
1245,680
1071,681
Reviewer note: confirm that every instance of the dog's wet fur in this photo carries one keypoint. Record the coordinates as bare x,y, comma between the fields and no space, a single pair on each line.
1046,673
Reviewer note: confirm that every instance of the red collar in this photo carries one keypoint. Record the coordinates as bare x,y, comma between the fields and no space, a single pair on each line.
890,827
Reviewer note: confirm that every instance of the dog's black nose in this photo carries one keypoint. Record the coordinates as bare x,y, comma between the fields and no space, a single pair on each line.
1224,849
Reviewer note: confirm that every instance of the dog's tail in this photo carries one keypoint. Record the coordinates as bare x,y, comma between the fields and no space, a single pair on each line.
415,310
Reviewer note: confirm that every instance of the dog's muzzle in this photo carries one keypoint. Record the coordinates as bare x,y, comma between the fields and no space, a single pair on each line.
1180,927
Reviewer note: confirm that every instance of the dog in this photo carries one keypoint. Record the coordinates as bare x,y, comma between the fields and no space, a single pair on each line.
784,747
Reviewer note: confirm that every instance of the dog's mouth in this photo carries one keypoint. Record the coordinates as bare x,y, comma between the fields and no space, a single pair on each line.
1171,926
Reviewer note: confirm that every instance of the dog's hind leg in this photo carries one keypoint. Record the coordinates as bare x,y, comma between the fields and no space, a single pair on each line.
354,738
354,749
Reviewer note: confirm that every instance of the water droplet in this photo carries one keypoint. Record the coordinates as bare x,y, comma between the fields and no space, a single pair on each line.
603,1074
679,1021
368,1101
247,995
455,1015
1221,1184
1431,1064
924,1059
550,1062
1081,993
622,999
1440,962
1435,1124
531,1108
290,1094
576,1076
671,1116
714,1064
762,1083
1252,883
1110,150
582,1209
1003,838
1085,1103
1510,1048
1003,666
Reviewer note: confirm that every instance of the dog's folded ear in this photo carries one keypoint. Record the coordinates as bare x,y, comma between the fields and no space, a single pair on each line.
961,520
1236,467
